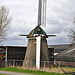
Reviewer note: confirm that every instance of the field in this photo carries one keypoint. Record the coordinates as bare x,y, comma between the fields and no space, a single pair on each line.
2,74
30,71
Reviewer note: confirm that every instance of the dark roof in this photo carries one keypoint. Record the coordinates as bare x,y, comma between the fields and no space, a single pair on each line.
37,31
11,46
60,48
67,55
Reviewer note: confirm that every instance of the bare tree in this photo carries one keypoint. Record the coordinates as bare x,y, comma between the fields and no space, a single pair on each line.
72,36
4,22
74,20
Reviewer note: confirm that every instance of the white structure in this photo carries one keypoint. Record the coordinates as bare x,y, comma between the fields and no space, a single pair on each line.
38,46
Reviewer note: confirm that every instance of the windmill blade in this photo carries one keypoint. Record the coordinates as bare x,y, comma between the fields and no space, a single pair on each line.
39,12
51,35
42,12
22,35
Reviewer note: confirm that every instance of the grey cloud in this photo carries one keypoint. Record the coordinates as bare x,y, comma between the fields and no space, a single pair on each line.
60,15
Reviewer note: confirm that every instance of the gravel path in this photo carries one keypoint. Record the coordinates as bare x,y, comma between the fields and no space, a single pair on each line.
14,73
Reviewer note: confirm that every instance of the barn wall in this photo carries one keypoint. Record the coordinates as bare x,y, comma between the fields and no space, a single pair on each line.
16,53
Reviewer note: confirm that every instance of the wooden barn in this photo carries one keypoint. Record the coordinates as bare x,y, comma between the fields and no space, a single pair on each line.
65,53
11,53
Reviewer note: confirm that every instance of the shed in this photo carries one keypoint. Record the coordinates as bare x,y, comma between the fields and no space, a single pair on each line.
67,55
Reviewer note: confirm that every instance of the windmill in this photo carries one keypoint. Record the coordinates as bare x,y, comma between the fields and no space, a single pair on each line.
37,49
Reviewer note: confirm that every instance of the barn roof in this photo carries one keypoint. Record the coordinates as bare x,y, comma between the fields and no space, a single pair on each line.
60,48
67,55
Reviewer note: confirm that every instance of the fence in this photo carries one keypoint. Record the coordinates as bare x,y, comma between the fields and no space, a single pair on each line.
48,66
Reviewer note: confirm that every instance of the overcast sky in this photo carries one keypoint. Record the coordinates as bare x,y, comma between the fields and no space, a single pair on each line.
60,16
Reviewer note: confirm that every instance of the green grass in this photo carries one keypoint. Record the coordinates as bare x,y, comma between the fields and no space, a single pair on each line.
29,71
2,74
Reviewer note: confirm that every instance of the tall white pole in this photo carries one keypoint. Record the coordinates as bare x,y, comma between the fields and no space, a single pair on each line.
38,46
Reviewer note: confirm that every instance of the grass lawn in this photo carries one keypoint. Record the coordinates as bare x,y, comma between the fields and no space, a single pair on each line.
2,74
30,71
